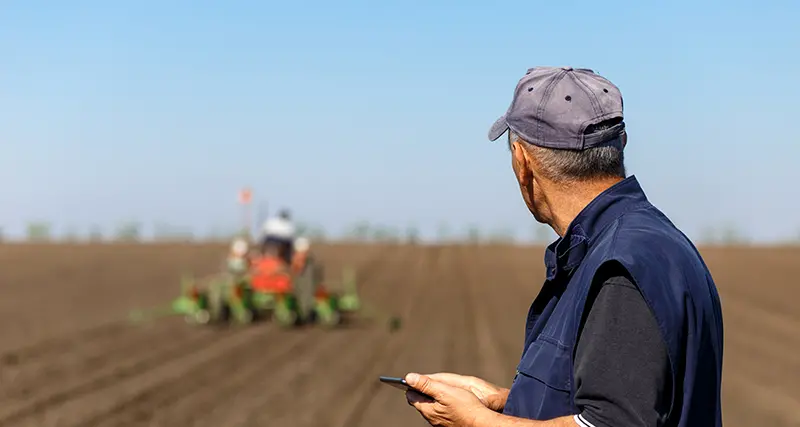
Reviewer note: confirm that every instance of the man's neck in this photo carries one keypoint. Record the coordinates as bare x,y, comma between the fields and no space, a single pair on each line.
569,201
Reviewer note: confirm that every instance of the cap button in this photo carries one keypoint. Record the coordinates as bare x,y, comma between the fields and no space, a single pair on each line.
566,68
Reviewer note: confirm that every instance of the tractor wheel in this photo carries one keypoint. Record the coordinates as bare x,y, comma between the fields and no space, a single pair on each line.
326,314
219,307
285,315
329,318
286,318
225,314
245,316
202,317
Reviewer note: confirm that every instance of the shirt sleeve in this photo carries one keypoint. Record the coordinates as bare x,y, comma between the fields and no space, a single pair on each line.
622,371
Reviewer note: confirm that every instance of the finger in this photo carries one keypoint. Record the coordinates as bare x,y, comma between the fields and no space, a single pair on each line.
448,378
418,382
414,398
425,385
440,376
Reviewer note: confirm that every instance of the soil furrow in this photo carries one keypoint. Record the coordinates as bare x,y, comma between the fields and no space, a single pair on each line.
463,345
216,376
351,412
77,361
491,363
60,345
291,393
428,349
61,393
103,401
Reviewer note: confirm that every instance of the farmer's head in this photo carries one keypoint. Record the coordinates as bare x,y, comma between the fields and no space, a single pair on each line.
566,135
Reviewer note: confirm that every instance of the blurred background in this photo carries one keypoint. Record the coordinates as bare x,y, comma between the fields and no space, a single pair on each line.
130,132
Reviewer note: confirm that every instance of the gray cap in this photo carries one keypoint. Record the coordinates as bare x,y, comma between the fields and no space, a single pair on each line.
554,106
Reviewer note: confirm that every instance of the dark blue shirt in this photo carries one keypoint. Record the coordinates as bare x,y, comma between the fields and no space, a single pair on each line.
622,228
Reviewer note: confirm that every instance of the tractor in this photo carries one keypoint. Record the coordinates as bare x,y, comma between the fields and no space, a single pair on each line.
226,300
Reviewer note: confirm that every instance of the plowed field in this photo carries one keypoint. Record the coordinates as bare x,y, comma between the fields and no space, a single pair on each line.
71,357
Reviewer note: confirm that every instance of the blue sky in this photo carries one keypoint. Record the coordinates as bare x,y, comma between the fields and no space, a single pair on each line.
158,111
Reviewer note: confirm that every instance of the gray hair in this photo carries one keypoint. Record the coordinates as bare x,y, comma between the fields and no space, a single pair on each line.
564,166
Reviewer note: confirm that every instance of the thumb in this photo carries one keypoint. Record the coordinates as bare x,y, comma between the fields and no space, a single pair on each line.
424,384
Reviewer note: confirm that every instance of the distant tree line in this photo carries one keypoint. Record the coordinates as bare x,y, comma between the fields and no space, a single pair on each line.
126,232
360,231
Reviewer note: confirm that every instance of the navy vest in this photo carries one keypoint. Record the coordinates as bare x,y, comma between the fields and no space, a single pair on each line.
621,225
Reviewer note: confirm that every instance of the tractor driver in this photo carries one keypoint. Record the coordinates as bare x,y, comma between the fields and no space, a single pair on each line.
279,231
271,272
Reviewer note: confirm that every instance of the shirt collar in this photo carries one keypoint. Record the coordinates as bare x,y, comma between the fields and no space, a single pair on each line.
568,251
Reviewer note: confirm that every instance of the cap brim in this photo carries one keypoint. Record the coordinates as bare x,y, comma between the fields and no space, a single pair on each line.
498,128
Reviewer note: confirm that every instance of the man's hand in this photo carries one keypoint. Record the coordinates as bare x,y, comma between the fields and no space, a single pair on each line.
492,396
451,406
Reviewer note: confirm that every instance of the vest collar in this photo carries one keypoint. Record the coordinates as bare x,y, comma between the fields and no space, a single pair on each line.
568,251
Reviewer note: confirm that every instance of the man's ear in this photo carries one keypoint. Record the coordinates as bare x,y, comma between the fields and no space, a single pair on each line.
521,162
624,139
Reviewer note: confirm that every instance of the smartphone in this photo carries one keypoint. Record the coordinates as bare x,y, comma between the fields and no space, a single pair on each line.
396,383
401,384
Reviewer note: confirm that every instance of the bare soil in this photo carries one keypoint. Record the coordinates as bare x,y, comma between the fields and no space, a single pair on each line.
70,356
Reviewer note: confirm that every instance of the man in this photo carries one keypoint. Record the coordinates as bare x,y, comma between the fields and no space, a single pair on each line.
627,328
279,231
